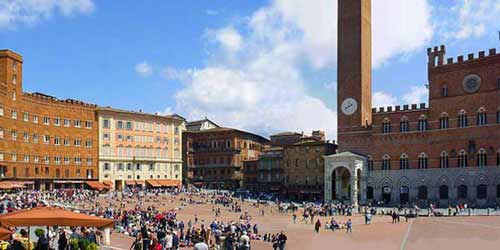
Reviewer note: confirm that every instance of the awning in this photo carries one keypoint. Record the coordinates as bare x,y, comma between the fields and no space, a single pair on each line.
140,182
130,183
14,184
67,182
153,183
169,182
52,216
96,185
108,183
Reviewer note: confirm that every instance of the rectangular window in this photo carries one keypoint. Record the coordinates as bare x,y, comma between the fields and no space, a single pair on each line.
88,124
26,158
119,125
26,116
57,141
13,157
1,156
13,114
46,139
88,143
89,161
66,160
1,111
78,142
1,133
46,120
57,121
78,160
26,137
35,138
67,122
77,123
105,136
13,135
106,166
36,159
129,125
35,119
46,159
57,160
66,141
105,123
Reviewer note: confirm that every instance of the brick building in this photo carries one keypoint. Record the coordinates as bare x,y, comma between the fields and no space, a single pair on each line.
446,152
304,168
215,156
270,170
137,148
44,141
250,174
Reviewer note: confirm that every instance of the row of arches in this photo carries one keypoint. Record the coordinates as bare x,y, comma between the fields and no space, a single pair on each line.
422,161
444,121
444,192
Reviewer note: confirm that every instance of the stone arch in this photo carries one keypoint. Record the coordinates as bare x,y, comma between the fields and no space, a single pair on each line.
443,180
421,181
386,181
481,179
462,180
404,181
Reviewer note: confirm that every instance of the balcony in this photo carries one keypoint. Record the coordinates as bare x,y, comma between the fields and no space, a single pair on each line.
215,150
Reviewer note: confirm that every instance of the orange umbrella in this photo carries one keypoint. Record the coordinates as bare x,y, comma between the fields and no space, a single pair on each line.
5,233
52,216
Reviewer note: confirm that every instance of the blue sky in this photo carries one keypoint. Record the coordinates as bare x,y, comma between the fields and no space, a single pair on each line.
264,66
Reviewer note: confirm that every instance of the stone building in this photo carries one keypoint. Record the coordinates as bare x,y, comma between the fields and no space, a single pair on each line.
44,141
250,174
215,156
446,152
270,170
137,148
304,168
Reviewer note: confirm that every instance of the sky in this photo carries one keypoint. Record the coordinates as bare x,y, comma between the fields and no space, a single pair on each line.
264,66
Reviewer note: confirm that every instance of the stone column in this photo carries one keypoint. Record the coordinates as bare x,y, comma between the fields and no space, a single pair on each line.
354,189
328,188
338,187
107,236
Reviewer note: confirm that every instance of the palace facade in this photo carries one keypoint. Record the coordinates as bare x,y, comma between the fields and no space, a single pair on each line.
45,142
446,152
138,149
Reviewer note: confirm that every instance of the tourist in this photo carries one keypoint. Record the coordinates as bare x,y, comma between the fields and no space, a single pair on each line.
282,240
244,241
317,226
200,246
62,242
348,225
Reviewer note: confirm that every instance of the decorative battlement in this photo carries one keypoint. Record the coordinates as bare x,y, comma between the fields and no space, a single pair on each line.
398,108
44,97
436,56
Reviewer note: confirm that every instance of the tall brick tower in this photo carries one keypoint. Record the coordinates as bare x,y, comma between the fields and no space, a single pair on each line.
354,66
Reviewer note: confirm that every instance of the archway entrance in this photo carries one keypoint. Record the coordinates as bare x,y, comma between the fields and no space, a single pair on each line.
341,188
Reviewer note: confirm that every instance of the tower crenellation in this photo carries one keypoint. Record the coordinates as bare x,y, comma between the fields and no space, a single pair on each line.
436,57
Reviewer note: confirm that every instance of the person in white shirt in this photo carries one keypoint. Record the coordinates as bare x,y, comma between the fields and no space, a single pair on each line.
244,241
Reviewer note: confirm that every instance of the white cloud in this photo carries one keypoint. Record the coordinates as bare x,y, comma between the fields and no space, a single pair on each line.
469,19
13,12
416,95
257,81
229,38
383,99
143,69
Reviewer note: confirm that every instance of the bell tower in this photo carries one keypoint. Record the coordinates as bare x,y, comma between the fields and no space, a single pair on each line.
354,57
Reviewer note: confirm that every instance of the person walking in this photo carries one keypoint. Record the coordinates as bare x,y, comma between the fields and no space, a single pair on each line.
348,225
282,241
317,226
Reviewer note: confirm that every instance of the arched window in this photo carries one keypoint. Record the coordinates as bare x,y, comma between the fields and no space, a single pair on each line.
423,160
462,192
462,159
482,191
443,192
386,162
462,119
404,125
444,160
444,121
481,158
481,118
386,126
498,116
444,91
498,157
422,123
369,162
422,193
369,193
403,162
